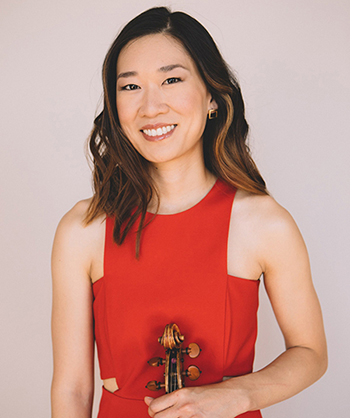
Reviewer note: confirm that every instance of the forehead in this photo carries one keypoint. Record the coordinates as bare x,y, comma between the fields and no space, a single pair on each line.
153,51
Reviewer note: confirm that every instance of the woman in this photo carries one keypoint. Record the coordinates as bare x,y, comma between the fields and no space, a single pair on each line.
179,230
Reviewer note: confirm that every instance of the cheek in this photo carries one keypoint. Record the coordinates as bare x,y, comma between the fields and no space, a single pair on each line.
123,110
195,108
194,103
188,103
126,117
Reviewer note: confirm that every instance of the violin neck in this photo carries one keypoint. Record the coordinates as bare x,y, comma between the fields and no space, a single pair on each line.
174,372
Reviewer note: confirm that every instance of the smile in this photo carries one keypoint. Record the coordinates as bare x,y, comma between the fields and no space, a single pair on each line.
159,133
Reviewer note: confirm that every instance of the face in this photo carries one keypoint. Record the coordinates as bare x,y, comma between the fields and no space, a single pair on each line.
162,101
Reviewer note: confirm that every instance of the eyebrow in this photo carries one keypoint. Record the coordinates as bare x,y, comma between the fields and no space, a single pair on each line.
164,69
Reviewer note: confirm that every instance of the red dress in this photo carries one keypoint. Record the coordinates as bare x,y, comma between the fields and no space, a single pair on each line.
181,277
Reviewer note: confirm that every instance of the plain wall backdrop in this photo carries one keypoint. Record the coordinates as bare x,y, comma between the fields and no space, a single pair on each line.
292,59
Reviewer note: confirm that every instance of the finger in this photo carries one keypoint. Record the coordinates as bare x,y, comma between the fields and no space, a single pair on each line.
148,400
161,404
164,413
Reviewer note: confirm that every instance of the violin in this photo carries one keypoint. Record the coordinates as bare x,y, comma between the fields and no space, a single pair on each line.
172,341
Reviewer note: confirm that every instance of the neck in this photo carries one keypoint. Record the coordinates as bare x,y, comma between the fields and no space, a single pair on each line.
180,187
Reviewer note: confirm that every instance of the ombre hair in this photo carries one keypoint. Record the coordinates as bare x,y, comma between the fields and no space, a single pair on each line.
123,187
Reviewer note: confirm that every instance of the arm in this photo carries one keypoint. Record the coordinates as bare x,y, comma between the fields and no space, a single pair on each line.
279,252
288,283
72,319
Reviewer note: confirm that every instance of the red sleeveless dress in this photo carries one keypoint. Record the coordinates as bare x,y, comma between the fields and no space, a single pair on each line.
180,277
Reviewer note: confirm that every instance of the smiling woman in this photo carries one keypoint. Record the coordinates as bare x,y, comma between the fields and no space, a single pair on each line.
179,231
171,98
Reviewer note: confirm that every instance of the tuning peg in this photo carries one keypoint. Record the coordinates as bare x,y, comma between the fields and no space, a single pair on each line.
154,385
192,350
192,373
156,361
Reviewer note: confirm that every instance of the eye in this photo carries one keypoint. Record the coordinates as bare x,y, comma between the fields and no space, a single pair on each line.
172,80
130,87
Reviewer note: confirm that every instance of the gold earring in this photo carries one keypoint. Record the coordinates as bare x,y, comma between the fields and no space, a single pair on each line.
213,113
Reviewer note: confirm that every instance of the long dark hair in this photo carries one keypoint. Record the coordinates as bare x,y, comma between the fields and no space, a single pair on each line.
123,186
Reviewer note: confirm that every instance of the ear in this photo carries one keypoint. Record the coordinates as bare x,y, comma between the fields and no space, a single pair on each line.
212,105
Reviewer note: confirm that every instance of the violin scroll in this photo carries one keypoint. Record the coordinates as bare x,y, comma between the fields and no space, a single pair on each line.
172,340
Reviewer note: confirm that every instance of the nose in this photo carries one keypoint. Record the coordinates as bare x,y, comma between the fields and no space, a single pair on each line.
153,103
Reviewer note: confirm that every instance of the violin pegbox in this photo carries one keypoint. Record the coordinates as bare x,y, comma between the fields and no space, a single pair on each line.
172,341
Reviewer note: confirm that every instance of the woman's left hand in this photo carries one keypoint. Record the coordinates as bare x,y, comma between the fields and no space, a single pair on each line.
214,401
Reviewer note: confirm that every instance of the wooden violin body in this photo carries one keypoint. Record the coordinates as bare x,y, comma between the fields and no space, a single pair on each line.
174,375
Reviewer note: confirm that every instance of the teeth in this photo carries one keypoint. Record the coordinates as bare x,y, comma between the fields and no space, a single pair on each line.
159,131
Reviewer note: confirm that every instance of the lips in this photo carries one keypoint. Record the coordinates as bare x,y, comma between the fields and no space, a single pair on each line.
158,131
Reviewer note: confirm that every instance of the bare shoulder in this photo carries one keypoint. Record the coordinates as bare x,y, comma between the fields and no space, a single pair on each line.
73,222
76,239
263,212
75,216
262,233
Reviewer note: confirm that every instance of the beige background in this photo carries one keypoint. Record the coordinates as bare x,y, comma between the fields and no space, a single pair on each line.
292,59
